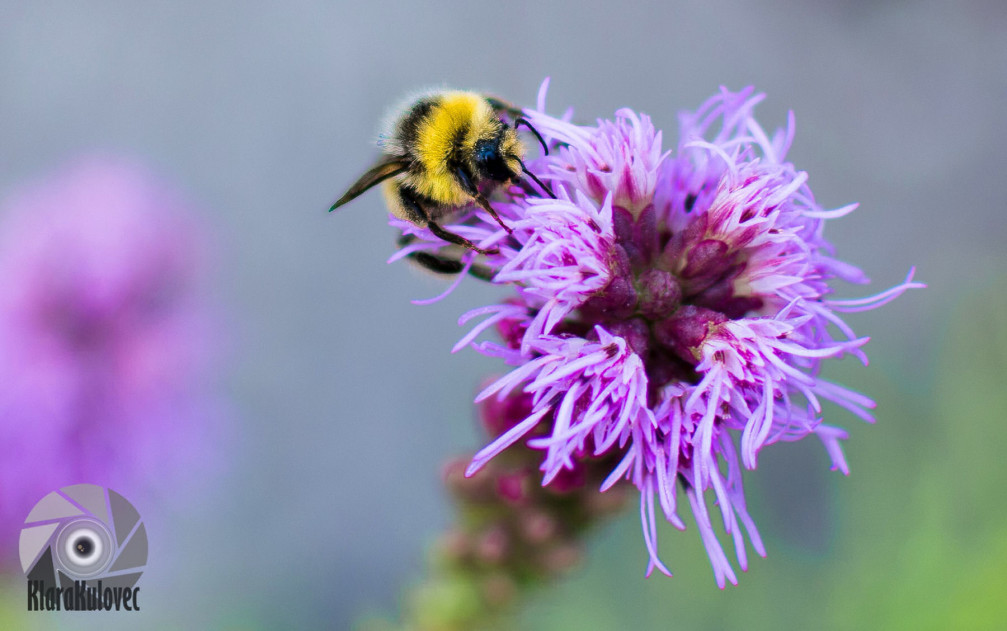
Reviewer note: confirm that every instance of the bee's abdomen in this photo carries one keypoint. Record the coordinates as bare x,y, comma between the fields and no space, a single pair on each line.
410,204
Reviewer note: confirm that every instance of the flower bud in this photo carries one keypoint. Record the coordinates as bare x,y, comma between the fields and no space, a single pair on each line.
706,259
660,294
617,300
561,557
492,546
635,332
499,416
686,329
512,487
568,480
537,526
512,331
637,233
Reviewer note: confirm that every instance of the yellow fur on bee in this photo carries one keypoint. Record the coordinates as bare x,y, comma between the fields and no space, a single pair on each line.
390,190
436,138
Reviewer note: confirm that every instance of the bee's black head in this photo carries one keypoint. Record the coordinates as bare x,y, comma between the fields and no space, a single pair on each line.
494,157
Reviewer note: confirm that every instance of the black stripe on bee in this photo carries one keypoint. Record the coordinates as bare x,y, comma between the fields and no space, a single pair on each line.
458,141
419,208
409,126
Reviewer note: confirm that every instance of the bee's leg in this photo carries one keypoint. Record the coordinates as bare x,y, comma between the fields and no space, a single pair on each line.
465,180
442,263
437,264
451,237
482,201
412,205
433,262
482,272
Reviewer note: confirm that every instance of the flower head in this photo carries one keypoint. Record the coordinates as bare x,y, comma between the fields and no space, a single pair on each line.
105,334
672,310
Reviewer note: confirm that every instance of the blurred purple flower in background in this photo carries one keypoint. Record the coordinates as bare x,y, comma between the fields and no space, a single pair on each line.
673,309
106,336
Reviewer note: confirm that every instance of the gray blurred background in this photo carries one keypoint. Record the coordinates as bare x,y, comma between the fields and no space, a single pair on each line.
345,395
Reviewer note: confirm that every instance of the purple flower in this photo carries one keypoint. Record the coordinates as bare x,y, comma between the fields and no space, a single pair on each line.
105,335
672,309
618,158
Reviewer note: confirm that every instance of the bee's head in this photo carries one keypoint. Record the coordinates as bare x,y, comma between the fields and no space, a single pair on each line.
498,157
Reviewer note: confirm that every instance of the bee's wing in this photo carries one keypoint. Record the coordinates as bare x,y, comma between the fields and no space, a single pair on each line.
386,168
501,106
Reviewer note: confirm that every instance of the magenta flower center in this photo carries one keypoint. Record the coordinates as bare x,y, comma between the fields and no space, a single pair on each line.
666,293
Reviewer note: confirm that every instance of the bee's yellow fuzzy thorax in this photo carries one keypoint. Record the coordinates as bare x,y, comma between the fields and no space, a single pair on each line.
457,118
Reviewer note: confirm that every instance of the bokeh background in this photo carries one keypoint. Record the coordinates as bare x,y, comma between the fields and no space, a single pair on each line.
343,397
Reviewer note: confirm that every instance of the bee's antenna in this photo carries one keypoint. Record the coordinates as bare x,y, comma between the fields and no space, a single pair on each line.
524,121
532,176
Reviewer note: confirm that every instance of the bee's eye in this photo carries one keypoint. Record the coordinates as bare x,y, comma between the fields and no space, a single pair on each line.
486,152
490,162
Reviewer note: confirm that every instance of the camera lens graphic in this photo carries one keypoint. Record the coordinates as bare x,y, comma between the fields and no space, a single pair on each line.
84,532
84,548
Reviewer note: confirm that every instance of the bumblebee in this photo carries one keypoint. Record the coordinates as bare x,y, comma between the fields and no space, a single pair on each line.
445,150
